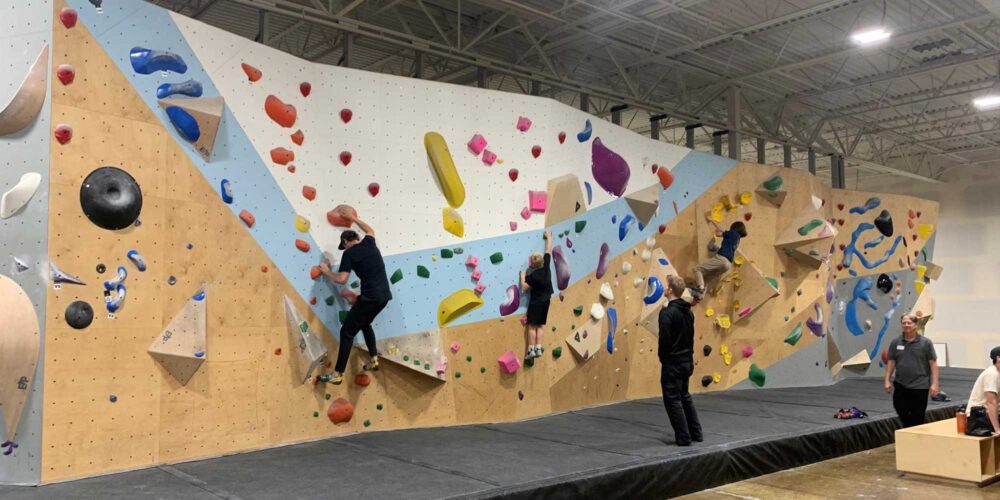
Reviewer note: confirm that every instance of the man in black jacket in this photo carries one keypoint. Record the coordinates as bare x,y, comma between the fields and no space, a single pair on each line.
676,351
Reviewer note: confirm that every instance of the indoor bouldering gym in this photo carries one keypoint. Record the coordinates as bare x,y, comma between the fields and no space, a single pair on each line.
546,249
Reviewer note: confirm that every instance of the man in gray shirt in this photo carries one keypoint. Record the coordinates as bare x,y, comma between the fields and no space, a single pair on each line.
912,358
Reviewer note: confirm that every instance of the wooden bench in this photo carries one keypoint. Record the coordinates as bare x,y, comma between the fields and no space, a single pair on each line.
937,449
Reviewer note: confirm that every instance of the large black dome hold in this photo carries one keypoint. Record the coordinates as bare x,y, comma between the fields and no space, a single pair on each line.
111,198
79,315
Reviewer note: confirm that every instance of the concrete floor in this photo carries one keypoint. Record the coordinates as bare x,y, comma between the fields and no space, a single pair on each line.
869,474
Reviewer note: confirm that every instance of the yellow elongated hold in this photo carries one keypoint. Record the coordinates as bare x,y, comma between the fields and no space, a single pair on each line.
921,272
918,286
924,231
727,202
724,349
746,197
457,304
723,321
452,221
728,358
444,169
716,213
301,224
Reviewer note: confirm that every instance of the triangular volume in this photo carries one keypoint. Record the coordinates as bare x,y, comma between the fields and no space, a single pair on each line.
586,341
565,199
196,120
773,190
923,309
655,296
858,362
815,252
644,203
753,289
420,352
19,344
805,229
833,358
181,346
307,351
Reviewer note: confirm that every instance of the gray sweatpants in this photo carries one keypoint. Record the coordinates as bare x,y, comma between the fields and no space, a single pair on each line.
715,266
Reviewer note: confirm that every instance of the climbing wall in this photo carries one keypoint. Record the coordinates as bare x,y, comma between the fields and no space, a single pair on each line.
25,32
241,152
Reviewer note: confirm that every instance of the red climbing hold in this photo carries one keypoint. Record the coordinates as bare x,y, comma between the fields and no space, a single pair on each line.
842,247
663,228
263,269
247,218
314,272
562,137
912,214
282,114
298,137
63,133
341,411
277,352
910,223
747,216
840,221
345,158
373,189
665,176
345,115
840,206
536,151
335,219
302,245
306,88
282,156
309,192
512,174
919,214
66,73
312,301
68,17
291,169
253,74
362,379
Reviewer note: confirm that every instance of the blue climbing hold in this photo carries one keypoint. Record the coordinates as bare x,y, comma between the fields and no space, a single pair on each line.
663,262
199,354
227,191
191,88
115,304
111,284
614,219
655,290
584,135
624,226
147,61
871,204
590,192
613,319
200,296
185,124
134,256
113,398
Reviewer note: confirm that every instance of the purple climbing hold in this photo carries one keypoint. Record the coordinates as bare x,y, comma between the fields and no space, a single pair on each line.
513,301
562,268
602,261
609,169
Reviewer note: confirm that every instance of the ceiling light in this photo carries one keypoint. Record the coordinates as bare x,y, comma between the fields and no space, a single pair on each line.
870,36
987,101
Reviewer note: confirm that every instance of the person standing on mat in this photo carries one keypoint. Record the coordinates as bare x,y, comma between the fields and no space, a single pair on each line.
364,258
539,285
720,263
676,352
982,407
914,362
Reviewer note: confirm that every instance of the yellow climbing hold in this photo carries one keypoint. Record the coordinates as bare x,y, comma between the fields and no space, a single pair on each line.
918,286
736,305
457,304
452,221
924,231
716,377
724,349
728,358
716,213
301,224
723,321
739,260
921,271
727,202
444,169
434,258
746,197
709,312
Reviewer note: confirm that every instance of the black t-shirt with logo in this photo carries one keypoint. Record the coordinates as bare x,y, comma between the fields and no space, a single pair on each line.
365,260
540,281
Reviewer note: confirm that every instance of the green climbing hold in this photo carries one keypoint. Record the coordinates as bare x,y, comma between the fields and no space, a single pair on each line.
446,254
553,328
578,310
416,362
458,374
368,422
557,352
793,309
809,226
773,184
782,274
580,224
482,369
427,366
330,300
794,336
757,375
799,292
572,327
304,327
576,337
459,251
396,276
496,258
343,317
423,272
468,358
406,357
315,414
773,282
355,284
379,407
529,361
327,397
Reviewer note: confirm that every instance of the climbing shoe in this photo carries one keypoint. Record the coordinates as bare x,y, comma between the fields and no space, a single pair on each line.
372,365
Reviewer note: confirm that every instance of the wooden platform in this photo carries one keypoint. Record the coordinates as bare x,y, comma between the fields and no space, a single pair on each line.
937,449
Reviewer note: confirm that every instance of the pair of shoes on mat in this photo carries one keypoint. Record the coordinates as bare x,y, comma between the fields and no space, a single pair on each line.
854,412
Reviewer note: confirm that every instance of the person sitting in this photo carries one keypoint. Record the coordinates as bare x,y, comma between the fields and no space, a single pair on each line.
982,408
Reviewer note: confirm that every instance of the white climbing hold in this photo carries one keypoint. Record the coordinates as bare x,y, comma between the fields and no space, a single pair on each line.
606,292
638,282
626,267
20,266
650,242
597,312
19,195
646,255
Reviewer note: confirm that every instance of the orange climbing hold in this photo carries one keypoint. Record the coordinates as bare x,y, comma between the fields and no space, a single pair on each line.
309,192
335,219
253,74
282,114
666,178
362,379
302,245
247,218
282,156
314,273
298,137
341,411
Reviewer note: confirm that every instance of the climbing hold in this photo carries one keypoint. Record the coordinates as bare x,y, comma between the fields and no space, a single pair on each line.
309,192
147,61
536,151
340,411
66,73
227,191
111,198
373,189
480,288
58,276
512,303
79,315
68,17
602,261
113,305
654,290
452,221
19,195
871,204
747,351
396,277
345,158
508,362
137,259
335,219
20,266
665,176
795,335
523,123
476,144
282,114
423,272
489,157
580,224
706,380
444,169
63,133
625,226
512,173
298,137
606,292
596,311
609,169
884,223
496,258
247,218
190,88
362,380
346,115
723,321
537,201
884,283
584,135
806,228
446,253
513,225
117,280
171,280
525,213
303,246
184,123
626,267
456,305
253,74
562,268
301,225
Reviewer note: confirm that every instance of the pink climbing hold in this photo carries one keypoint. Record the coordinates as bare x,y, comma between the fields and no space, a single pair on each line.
298,137
509,362
309,192
346,115
524,320
489,157
536,151
68,17
523,123
282,114
442,366
282,156
291,169
63,133
306,88
472,261
747,351
525,213
477,275
480,288
455,346
562,137
66,73
477,144
512,173
538,200
373,189
253,74
345,158
513,225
